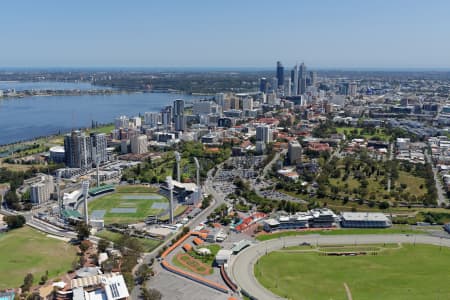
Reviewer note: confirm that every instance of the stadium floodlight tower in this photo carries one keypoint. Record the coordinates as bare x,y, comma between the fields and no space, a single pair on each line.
170,187
178,160
97,162
85,189
58,192
197,166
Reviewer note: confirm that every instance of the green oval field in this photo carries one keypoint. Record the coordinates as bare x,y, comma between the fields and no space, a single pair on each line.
408,272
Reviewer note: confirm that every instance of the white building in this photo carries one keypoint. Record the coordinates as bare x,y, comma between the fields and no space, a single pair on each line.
42,190
136,122
403,143
294,152
139,144
121,122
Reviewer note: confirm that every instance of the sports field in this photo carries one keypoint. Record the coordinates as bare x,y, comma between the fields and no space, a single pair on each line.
26,250
128,207
397,272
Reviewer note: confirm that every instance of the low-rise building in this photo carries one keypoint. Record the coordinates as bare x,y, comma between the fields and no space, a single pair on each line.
364,220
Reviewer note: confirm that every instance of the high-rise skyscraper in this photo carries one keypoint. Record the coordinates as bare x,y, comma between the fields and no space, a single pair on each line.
179,118
312,78
280,74
166,117
263,85
264,134
98,147
77,147
302,79
294,78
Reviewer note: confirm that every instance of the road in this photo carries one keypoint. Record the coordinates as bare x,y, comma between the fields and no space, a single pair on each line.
442,198
218,199
241,267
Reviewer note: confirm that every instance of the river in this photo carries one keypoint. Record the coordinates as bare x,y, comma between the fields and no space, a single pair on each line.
30,117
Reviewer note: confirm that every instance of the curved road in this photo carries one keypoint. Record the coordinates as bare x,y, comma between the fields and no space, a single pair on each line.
241,267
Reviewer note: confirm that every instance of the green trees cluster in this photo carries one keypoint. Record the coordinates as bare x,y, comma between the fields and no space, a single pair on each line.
15,221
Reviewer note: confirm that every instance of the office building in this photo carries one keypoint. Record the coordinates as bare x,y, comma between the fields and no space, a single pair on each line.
121,122
202,108
152,119
263,85
294,153
312,78
302,79
139,144
179,119
77,148
288,87
98,147
352,89
167,117
264,134
294,79
280,74
247,103
220,99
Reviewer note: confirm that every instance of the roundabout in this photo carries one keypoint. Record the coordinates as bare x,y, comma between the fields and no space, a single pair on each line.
242,267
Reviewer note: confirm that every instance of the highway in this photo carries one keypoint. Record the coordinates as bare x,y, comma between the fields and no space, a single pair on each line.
241,266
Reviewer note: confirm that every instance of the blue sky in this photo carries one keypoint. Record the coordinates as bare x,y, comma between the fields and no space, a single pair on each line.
232,33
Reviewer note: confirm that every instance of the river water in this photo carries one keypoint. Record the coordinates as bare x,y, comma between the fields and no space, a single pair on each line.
30,117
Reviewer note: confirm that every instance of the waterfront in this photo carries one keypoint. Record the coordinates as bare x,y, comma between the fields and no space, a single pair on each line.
30,117
49,85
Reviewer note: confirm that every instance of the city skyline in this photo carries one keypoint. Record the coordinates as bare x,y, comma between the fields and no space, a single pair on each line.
174,34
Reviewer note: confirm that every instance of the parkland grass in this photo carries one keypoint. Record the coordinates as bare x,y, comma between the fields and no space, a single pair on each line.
26,250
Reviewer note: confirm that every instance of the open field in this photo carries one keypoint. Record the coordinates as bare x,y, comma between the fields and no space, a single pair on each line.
127,201
394,230
26,250
147,244
354,132
409,272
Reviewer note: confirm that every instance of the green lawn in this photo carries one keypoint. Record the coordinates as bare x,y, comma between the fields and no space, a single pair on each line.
147,244
116,200
413,183
26,250
348,131
394,230
409,273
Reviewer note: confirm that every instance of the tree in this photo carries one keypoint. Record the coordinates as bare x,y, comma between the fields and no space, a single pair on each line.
102,245
150,294
44,278
83,230
143,273
15,221
27,282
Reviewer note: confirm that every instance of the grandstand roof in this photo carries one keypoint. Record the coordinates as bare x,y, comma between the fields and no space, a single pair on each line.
101,189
